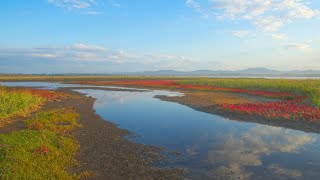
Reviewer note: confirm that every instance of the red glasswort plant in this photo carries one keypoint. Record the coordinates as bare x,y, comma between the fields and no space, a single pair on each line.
41,150
36,126
276,110
47,94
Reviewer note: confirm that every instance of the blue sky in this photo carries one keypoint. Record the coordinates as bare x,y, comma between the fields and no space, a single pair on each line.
101,36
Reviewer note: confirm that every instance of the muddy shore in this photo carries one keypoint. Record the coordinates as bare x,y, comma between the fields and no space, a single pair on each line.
196,104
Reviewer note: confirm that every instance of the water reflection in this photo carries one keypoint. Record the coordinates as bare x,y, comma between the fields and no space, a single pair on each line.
120,97
237,151
117,97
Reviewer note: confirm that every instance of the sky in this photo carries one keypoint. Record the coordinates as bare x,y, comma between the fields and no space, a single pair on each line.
110,36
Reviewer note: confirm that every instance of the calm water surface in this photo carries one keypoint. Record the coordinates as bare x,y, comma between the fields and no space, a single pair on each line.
210,145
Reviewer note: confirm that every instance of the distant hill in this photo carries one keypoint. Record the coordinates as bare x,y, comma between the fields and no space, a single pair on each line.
250,72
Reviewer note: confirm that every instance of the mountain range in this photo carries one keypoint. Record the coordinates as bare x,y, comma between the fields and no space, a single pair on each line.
250,72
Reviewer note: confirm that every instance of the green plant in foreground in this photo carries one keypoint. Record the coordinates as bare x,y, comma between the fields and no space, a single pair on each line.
41,153
57,120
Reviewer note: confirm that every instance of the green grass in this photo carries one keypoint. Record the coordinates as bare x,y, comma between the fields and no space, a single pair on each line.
60,121
17,102
310,88
43,153
20,160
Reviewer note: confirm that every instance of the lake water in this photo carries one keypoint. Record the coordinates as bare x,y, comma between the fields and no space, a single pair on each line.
211,146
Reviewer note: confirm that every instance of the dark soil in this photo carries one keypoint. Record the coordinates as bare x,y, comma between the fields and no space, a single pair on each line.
14,125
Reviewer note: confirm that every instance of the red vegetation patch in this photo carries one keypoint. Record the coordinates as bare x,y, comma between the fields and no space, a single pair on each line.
47,94
276,111
41,150
149,82
267,94
35,126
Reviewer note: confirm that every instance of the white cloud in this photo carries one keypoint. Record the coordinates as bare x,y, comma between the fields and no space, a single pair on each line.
268,24
278,36
39,55
83,52
114,3
86,47
306,47
238,151
197,7
80,52
122,55
240,34
93,12
73,4
267,15
297,9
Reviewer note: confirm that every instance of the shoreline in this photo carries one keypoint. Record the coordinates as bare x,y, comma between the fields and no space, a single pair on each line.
305,126
107,153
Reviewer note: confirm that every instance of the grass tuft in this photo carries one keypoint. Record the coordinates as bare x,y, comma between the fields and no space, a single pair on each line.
17,103
61,121
20,157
